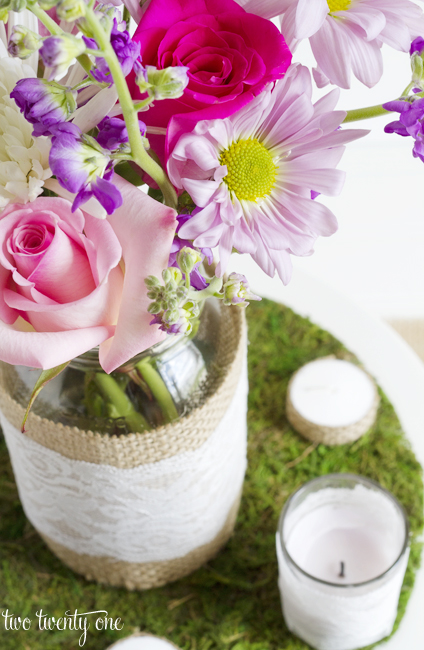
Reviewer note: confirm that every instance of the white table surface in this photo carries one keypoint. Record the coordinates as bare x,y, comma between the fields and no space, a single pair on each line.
387,357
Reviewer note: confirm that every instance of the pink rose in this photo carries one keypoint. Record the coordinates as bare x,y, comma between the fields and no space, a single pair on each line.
62,286
231,55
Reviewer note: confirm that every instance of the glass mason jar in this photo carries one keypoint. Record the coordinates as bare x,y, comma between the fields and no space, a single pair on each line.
134,479
154,388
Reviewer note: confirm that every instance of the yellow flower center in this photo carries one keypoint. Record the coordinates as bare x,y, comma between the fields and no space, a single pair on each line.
251,169
338,5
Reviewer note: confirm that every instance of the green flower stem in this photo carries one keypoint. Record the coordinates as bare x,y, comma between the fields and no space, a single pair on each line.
158,388
139,106
139,154
44,17
55,30
120,402
215,285
378,110
365,113
408,89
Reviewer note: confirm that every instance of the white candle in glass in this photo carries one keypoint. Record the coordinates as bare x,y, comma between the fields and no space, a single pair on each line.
342,547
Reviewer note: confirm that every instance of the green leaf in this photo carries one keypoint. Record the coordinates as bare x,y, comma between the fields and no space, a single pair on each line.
129,173
155,194
43,379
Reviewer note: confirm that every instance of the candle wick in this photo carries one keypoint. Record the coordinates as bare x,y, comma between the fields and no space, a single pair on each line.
342,570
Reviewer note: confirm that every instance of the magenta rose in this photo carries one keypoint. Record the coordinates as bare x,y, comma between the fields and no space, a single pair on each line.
231,56
62,285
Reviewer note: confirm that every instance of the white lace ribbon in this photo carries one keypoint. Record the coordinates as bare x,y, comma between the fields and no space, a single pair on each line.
151,513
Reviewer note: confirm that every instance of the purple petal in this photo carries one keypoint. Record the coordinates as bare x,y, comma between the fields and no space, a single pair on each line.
107,194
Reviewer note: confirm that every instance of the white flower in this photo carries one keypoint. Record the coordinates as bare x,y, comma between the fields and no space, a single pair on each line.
24,162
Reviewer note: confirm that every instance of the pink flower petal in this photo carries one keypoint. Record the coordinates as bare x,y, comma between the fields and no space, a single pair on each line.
71,279
265,8
331,48
371,20
309,20
100,306
48,349
145,229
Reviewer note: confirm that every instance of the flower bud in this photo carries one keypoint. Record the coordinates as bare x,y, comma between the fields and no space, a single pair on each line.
58,52
172,275
71,10
417,62
44,102
47,4
151,281
105,14
187,259
168,83
236,291
154,308
23,42
12,5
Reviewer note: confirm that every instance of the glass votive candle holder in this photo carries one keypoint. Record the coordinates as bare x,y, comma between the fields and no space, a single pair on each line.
342,548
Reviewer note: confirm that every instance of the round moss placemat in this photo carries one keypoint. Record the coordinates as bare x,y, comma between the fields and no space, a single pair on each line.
233,602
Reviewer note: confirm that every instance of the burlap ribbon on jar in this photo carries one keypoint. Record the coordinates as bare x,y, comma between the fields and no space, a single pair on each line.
147,508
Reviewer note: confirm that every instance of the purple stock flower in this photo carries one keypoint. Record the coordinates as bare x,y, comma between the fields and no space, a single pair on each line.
125,49
410,123
58,52
197,281
417,46
113,132
44,102
83,167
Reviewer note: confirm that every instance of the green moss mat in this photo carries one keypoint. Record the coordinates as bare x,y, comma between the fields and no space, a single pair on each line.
233,602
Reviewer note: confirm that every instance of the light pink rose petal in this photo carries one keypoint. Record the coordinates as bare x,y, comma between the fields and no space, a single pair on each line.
145,229
48,349
64,273
7,315
106,247
100,306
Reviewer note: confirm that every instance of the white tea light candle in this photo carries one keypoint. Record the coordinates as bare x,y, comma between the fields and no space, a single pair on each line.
143,642
331,401
342,547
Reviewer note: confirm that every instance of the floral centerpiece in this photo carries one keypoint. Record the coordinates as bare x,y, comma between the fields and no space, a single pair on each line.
200,104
